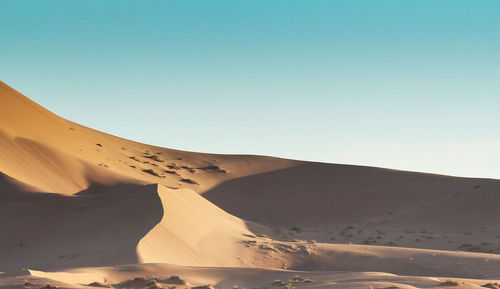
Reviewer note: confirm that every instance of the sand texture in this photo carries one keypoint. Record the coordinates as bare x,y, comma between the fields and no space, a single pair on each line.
81,208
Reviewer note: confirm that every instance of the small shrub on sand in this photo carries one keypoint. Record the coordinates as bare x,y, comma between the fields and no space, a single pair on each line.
188,181
450,283
151,172
491,285
141,282
153,285
99,284
173,166
297,278
290,283
175,280
133,158
212,168
154,158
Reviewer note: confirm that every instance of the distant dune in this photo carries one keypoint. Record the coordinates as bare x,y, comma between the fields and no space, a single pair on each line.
80,209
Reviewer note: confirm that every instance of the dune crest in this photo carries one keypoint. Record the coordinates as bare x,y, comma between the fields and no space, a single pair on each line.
59,156
193,232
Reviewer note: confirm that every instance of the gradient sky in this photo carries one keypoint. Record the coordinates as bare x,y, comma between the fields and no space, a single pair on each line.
409,85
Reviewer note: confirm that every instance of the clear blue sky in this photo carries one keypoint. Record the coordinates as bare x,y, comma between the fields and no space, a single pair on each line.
401,84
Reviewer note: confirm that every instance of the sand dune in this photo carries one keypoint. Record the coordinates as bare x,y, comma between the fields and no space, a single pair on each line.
79,206
337,193
119,224
59,156
194,232
367,205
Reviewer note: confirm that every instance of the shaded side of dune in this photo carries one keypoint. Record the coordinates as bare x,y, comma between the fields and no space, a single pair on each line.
51,231
316,194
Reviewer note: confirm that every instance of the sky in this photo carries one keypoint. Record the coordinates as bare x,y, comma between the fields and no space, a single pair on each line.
411,85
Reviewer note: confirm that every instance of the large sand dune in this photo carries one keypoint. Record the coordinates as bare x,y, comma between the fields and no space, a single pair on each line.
79,206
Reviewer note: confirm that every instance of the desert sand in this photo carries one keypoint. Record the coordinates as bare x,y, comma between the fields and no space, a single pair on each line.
81,208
